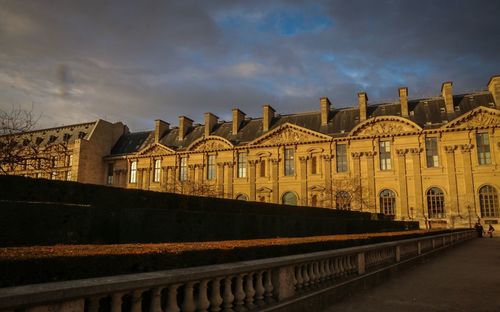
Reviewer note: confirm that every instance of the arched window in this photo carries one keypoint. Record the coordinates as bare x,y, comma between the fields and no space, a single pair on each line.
242,197
343,200
388,202
435,203
289,198
488,200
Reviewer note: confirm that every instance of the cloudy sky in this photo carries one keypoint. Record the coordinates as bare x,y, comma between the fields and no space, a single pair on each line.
136,61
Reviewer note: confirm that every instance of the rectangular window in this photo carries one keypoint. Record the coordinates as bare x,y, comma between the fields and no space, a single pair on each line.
242,165
483,149
341,157
69,160
183,169
109,179
211,167
157,170
431,152
133,172
262,168
385,155
314,165
289,161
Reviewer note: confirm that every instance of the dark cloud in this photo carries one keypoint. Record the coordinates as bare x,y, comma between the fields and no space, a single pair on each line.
136,61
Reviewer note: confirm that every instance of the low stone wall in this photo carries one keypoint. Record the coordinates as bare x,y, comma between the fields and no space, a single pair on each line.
44,212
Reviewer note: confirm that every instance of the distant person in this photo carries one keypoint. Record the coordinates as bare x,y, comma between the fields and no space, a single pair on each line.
479,229
491,229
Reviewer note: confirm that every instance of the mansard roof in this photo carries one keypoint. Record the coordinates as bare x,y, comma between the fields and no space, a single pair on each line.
428,113
63,135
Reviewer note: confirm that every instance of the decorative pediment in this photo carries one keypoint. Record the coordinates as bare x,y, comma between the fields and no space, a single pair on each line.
264,190
385,125
210,143
290,133
479,117
156,149
317,188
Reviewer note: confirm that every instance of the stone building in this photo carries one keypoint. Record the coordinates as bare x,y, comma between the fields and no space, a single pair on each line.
435,160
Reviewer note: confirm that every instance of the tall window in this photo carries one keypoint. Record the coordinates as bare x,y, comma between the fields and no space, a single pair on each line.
133,172
343,200
388,202
157,170
314,200
262,168
109,177
314,164
69,160
289,161
385,155
289,198
431,152
242,165
211,167
488,200
68,175
183,169
341,157
483,148
435,203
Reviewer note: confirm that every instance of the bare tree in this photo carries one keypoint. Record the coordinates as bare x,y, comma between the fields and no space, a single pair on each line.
21,148
189,187
344,194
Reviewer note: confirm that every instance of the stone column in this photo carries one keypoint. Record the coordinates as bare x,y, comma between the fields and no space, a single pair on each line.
251,171
274,179
303,180
229,179
356,177
327,159
452,179
468,177
220,179
417,182
403,187
371,180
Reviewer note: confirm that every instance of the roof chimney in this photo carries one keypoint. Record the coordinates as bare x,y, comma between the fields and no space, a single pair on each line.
362,103
160,128
184,124
267,117
325,110
210,121
403,100
494,88
447,94
238,118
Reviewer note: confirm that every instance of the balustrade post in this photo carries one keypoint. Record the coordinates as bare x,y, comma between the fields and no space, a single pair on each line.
361,263
215,298
433,244
259,289
116,302
398,253
305,275
300,280
239,294
188,305
94,304
419,248
172,305
136,301
282,279
203,302
444,241
268,287
228,295
249,291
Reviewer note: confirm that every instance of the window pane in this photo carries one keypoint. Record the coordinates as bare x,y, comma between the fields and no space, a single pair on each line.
183,169
289,162
133,172
431,152
211,167
242,165
385,155
157,170
483,148
341,157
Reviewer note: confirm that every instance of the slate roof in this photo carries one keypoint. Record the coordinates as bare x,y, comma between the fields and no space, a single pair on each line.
64,135
428,113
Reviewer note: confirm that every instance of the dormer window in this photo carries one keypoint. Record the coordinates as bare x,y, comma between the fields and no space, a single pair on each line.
66,137
26,142
39,140
81,135
52,138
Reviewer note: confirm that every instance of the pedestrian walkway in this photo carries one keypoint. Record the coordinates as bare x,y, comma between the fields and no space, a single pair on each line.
465,278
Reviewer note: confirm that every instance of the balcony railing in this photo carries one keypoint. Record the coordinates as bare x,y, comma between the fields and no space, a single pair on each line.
241,286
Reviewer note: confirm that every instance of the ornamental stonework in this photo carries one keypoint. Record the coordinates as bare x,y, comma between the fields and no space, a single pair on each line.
210,145
288,135
384,127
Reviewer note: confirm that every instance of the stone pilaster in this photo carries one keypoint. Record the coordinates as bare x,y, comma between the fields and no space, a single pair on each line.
468,178
452,178
327,159
403,186
417,182
229,178
252,172
164,179
274,178
303,180
371,179
220,179
356,158
191,172
139,179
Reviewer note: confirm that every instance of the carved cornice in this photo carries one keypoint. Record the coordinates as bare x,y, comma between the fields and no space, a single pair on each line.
480,117
290,133
384,125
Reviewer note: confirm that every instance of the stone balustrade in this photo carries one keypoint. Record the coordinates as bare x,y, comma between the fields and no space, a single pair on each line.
242,286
